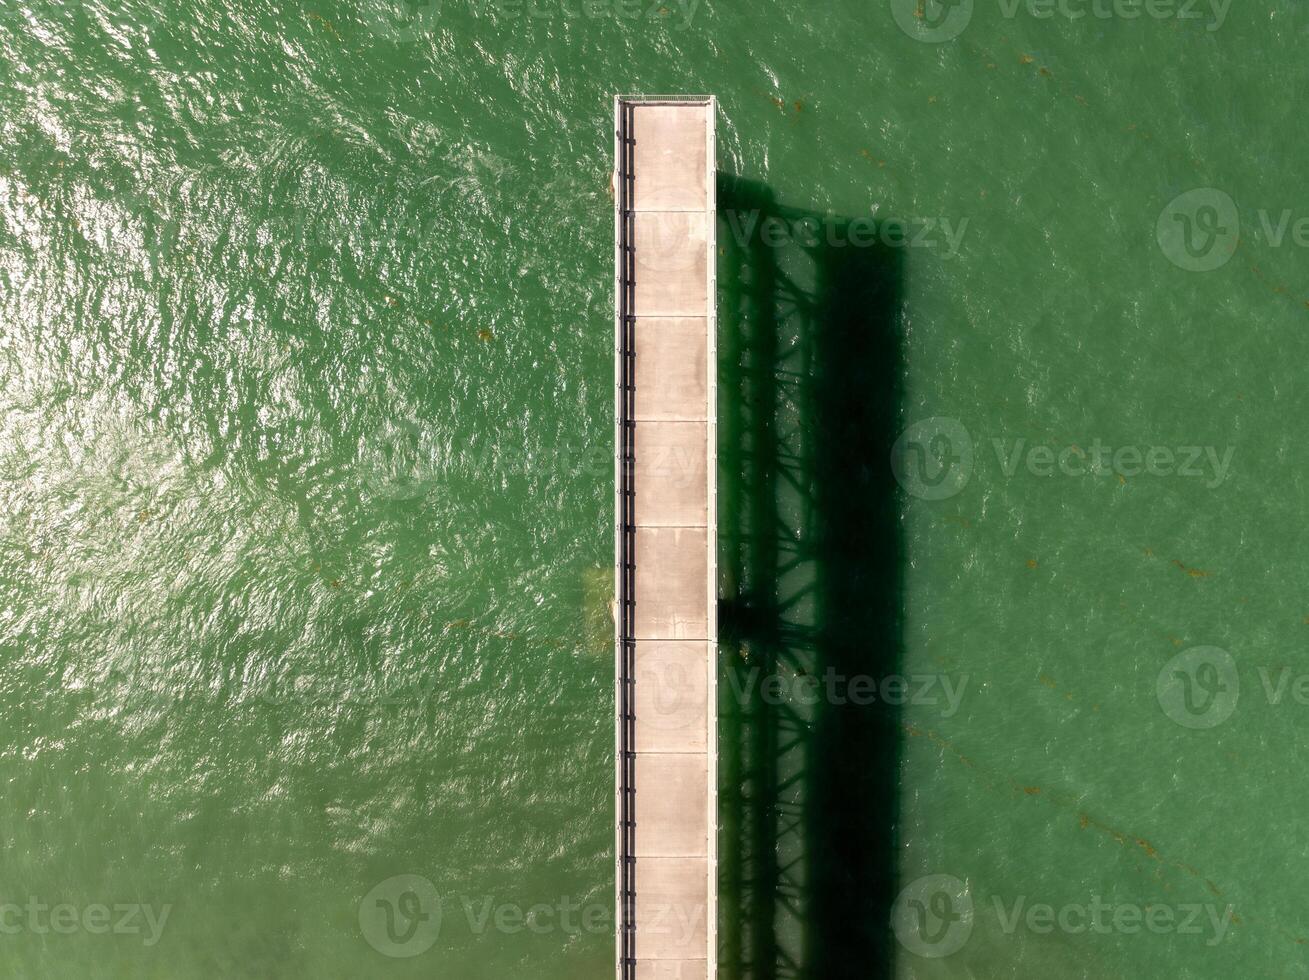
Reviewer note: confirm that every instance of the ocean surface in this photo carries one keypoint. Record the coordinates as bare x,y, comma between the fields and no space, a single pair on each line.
305,485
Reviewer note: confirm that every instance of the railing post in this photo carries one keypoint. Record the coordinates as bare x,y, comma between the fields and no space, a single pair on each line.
627,551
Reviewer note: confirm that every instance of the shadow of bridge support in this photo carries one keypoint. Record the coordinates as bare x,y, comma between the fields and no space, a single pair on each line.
811,565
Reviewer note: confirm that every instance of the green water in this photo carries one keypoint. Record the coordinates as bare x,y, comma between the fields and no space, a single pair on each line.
305,401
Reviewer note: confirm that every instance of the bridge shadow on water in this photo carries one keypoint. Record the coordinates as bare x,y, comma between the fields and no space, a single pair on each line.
811,586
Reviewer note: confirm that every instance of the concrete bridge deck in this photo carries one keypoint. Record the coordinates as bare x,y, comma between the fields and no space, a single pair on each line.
665,540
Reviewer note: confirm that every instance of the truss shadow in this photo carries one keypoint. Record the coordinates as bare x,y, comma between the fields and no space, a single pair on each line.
811,580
